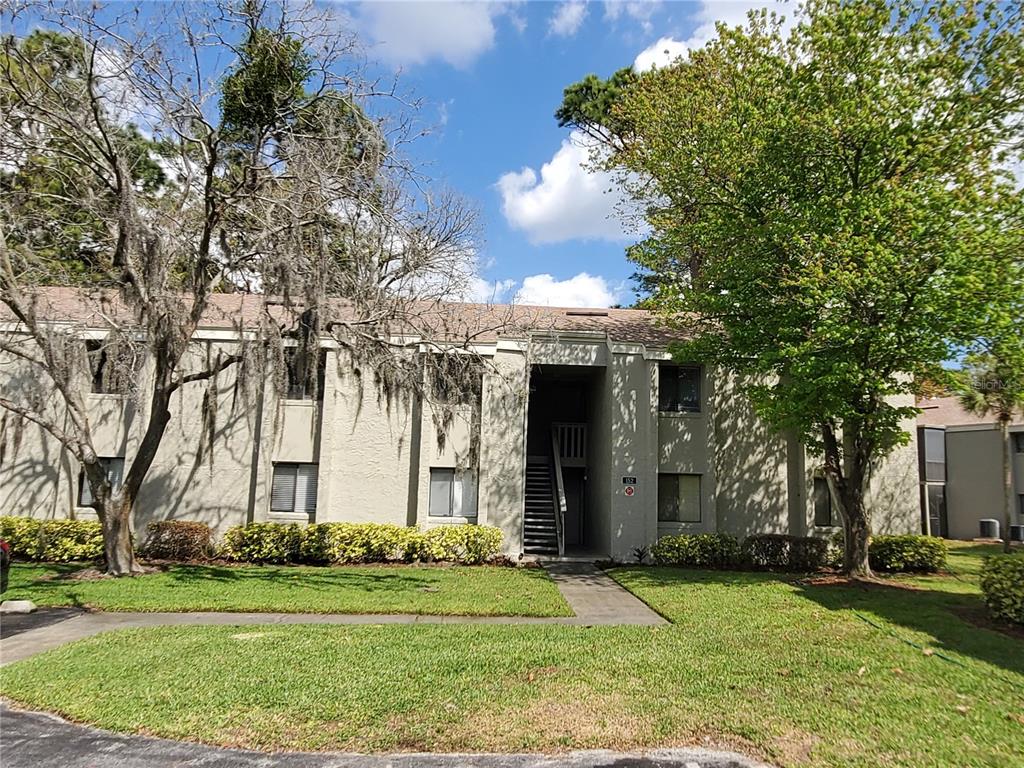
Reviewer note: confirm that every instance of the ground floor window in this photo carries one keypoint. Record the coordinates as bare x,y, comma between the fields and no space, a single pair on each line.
678,498
824,514
113,466
453,493
294,488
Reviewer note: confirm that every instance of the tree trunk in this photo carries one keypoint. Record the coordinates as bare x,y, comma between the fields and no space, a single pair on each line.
847,484
118,546
857,533
1004,429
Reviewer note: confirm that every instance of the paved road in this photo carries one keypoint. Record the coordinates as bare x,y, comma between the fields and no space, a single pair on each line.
34,740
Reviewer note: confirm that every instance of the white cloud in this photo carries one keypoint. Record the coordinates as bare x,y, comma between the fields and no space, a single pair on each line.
483,291
567,18
637,10
417,32
733,14
660,54
583,290
565,201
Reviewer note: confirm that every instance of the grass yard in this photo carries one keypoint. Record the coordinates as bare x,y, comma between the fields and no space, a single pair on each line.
448,591
799,675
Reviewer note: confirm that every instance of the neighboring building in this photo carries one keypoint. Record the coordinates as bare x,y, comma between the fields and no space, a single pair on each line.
584,404
961,469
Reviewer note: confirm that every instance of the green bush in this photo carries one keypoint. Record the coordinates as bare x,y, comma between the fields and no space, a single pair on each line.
371,543
1002,586
313,544
468,544
700,550
56,541
347,543
792,553
180,540
262,543
919,554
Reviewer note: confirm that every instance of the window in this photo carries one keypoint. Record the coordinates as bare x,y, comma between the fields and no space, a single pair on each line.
294,488
679,388
1018,442
298,370
456,379
678,498
97,357
452,493
823,516
114,468
935,455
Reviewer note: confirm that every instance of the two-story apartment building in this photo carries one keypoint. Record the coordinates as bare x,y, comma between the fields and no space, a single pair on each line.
587,439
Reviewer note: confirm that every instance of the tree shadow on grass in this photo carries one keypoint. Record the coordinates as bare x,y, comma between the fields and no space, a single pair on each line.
932,613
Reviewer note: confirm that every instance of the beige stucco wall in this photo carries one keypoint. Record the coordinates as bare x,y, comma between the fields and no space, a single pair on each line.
502,446
375,454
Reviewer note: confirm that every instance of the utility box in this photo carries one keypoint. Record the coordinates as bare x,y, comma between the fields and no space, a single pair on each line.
989,528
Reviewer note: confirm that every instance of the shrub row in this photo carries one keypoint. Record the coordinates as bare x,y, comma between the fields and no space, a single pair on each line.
792,553
1002,586
916,554
180,540
924,554
698,550
343,543
56,541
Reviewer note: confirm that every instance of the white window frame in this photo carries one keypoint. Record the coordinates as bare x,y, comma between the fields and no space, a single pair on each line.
700,500
463,494
113,467
295,467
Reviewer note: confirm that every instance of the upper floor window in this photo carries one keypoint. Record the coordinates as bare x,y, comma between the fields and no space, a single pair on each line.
679,388
303,377
98,365
113,466
455,379
935,455
294,488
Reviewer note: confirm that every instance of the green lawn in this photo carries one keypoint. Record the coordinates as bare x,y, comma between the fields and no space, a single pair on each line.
851,677
476,591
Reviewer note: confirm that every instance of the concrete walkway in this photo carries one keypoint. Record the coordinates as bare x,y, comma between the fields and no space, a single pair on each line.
35,740
594,598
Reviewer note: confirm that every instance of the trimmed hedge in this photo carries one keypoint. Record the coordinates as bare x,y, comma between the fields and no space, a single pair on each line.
347,543
917,554
1002,586
178,540
911,553
468,544
262,543
699,550
792,553
55,541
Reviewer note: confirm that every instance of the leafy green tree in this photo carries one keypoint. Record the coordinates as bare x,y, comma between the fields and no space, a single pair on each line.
829,208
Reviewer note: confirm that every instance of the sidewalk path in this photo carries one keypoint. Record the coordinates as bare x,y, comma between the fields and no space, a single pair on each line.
35,740
594,597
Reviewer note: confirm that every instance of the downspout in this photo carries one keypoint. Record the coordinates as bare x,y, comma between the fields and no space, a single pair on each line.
254,461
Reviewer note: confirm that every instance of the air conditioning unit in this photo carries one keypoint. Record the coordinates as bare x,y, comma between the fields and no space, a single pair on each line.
989,528
1017,533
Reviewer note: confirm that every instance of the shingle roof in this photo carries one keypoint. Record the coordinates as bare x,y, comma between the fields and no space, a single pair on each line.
478,322
947,412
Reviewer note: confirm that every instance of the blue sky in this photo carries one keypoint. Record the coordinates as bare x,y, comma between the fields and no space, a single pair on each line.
492,75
